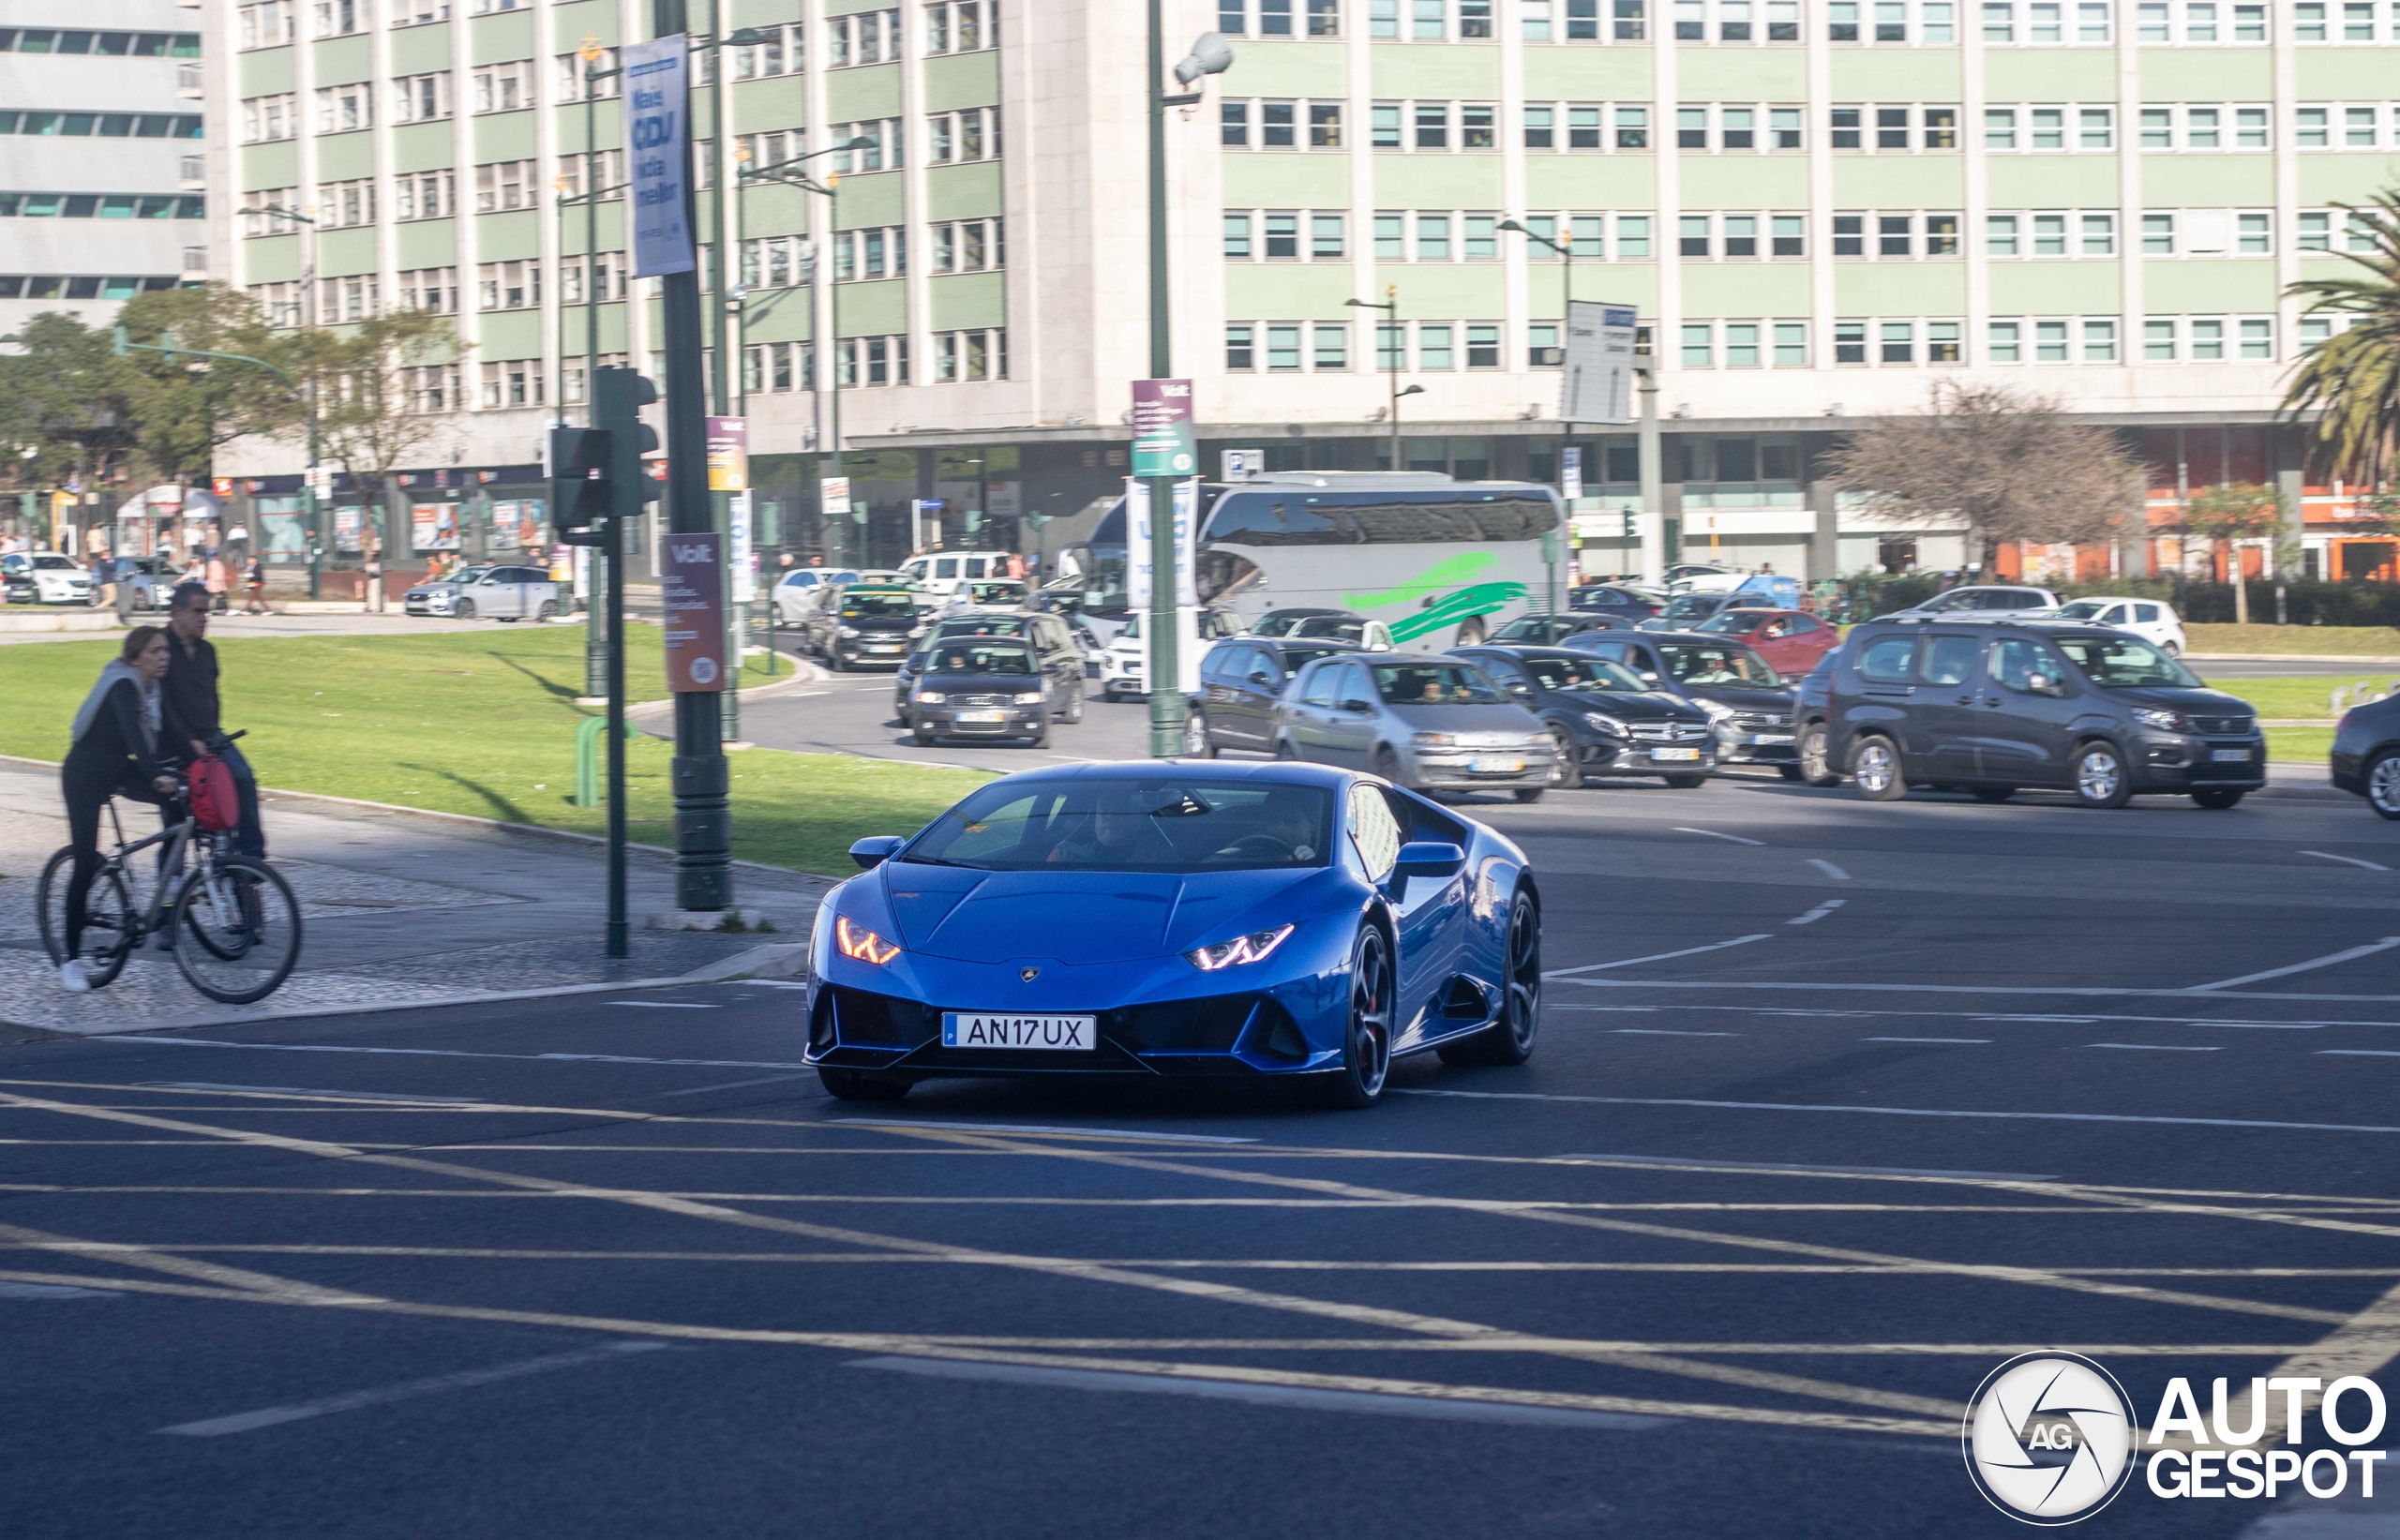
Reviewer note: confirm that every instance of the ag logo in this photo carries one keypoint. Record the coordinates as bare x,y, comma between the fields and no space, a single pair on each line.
704,670
2048,1439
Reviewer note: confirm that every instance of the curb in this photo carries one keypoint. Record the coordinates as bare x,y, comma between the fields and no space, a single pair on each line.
2377,660
804,672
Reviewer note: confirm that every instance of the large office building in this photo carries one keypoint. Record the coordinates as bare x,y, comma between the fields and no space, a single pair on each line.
1820,209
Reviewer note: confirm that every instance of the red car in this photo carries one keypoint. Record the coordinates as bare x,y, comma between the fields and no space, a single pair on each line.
1791,640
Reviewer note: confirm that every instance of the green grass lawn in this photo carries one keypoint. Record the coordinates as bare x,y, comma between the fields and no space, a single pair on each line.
2297,697
2366,641
484,723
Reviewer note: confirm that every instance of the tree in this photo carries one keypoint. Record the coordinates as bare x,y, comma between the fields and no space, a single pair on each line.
365,381
2351,381
2233,513
2012,465
184,409
63,417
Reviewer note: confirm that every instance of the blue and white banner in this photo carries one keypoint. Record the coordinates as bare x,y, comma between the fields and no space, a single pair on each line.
658,135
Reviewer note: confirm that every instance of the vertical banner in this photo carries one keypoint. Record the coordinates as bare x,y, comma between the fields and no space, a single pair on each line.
833,498
740,560
1164,444
693,589
728,454
1599,382
657,136
1570,473
1137,545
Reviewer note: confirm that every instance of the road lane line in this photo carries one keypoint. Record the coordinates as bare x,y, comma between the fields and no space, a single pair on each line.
453,1054
1927,1039
2313,964
2079,991
1688,1162
736,1085
2346,860
1668,1032
307,1091
1902,1112
1714,835
1829,869
1817,913
248,1422
2161,1046
909,1126
1657,957
2359,1053
665,1004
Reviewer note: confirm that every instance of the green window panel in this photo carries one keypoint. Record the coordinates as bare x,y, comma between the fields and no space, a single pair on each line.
498,39
1732,74
2053,181
1898,289
2211,74
421,147
2045,74
608,128
576,345
341,253
703,114
1755,290
1316,291
1433,290
872,309
1591,182
2341,74
1910,182
610,226
341,157
779,101
1620,283
420,51
962,193
571,24
1287,181
1763,182
424,243
2207,181
504,136
878,199
275,259
1589,74
441,347
1291,68
271,165
1899,74
779,315
958,301
767,13
341,61
1461,71
863,91
973,79
2054,289
2206,287
509,333
2341,178
771,209
1437,181
848,7
266,71
511,236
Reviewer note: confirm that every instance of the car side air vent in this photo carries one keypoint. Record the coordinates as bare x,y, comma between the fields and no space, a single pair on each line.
1273,1032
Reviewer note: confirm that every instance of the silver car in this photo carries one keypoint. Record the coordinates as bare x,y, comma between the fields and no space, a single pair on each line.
497,592
1427,724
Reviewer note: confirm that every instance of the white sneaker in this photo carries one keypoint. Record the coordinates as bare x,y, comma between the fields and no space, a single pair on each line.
70,977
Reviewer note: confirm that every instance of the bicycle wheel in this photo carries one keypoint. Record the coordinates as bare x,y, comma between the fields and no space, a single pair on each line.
237,930
108,918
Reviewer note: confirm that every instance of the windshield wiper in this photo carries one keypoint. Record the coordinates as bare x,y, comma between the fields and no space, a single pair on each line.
938,861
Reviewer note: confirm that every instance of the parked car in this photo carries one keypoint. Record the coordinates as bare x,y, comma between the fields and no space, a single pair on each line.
1124,661
1339,625
1051,636
1602,719
45,577
2367,754
1241,677
796,587
1425,723
941,572
1685,576
1790,640
1983,602
1993,706
992,687
1630,607
1746,698
1547,630
2154,621
154,579
861,625
494,591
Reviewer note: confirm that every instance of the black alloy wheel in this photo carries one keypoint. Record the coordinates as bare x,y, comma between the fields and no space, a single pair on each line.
2383,784
1509,1040
1365,1044
1567,765
463,611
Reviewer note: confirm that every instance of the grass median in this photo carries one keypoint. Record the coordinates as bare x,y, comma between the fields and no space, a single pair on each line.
2298,641
484,723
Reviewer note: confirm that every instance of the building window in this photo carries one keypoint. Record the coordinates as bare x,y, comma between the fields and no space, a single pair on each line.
513,382
2049,342
886,147
1699,345
262,214
1236,243
766,367
2050,234
1277,126
2207,335
1239,346
1324,126
1434,346
425,195
2000,236
1328,235
420,98
1898,344
1633,128
970,355
1843,128
505,185
2099,341
1892,235
1541,126
1741,235
866,37
1692,235
505,87
872,361
1791,344
2258,338
1632,236
2099,234
266,25
967,246
2158,339
266,119
1849,238
2308,127
960,27
1789,234
347,299
341,204
1432,124
606,274
1432,237
2255,234
1541,346
1850,342
1232,118
610,172
865,255
1332,346
768,261
2004,345
509,286
341,108
1282,235
1741,344
1483,345
435,388
2158,234
1284,348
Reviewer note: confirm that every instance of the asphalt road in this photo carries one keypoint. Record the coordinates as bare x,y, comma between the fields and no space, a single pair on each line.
1836,1106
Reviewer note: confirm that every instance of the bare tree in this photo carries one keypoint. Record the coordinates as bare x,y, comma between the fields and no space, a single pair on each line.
2011,466
364,379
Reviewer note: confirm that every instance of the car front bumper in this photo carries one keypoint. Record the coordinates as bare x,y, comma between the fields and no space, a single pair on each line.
428,603
871,650
2175,763
1619,756
1015,721
1452,769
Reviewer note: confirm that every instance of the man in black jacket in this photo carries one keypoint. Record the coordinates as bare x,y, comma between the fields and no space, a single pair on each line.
190,689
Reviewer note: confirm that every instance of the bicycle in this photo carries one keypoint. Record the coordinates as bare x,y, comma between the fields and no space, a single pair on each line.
233,922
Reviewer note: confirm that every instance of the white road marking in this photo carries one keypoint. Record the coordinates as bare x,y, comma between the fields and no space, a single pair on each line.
52,1291
664,1005
455,1053
307,1091
2346,860
2359,1053
2161,1046
2084,991
1655,957
1900,1112
1817,913
735,1085
2314,962
1669,1032
1714,835
1829,869
1927,1039
1703,1163
245,1422
1037,1127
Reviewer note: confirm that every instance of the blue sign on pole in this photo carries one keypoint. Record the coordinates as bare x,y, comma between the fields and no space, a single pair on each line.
657,136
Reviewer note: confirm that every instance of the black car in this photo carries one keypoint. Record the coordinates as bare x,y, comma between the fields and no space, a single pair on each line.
2367,754
991,687
1991,706
1687,610
1549,630
865,626
1748,700
1240,680
1595,600
1602,719
1062,654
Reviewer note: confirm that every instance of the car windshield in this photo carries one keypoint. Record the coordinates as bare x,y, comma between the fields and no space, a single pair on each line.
2084,609
1296,658
966,657
52,564
1348,628
2125,660
1162,824
994,625
1735,622
1277,623
881,606
1535,628
1582,674
1435,685
1694,665
1692,606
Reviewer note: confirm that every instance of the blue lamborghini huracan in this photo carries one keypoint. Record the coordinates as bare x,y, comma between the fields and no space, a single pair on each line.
1176,919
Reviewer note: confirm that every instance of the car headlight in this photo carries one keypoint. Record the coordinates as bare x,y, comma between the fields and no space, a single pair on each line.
1718,710
845,631
930,698
1030,697
2151,716
863,944
1432,740
1253,948
1600,723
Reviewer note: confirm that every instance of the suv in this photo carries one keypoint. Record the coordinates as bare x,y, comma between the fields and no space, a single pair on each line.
1241,677
1061,655
1743,695
1990,603
2367,754
1996,706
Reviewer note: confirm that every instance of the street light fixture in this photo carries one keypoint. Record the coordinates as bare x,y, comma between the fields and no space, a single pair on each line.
1391,345
1566,310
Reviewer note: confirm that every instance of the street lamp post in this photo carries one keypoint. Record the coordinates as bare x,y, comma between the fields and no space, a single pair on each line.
309,477
1566,308
1388,340
598,616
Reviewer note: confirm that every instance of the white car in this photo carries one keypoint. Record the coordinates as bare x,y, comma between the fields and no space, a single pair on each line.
1981,602
2153,621
941,572
800,584
53,578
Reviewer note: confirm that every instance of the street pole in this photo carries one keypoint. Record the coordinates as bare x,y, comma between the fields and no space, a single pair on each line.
600,619
1654,516
1166,696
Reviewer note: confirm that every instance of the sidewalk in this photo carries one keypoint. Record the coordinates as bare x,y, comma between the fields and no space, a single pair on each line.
398,909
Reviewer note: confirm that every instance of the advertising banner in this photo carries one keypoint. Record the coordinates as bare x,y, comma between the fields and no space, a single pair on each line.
739,561
1137,544
1599,382
433,526
1570,473
1164,444
693,589
657,136
728,454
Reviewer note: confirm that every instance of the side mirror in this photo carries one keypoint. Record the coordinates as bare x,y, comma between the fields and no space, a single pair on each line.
1359,706
1263,679
875,850
2042,685
1429,859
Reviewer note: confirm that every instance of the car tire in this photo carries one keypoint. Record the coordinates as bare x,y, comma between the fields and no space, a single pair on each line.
2101,778
549,610
1387,766
1509,1040
2173,649
1197,744
1790,772
463,611
2382,781
924,736
1531,794
1875,769
1993,794
1366,1036
1567,772
1815,768
860,1085
1685,782
2218,799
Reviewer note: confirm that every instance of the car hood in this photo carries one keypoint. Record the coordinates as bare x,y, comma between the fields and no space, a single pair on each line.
1001,683
2172,698
1079,917
429,589
1743,697
1646,706
1466,719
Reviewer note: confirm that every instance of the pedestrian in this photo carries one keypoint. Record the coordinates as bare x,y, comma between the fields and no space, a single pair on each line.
121,747
220,581
103,578
123,568
191,695
373,555
254,579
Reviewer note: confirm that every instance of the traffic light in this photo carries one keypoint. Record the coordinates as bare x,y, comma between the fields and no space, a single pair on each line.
580,483
618,397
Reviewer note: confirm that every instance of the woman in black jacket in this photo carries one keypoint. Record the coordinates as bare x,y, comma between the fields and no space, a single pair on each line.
123,747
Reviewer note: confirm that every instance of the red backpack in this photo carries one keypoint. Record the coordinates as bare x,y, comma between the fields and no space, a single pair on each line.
214,805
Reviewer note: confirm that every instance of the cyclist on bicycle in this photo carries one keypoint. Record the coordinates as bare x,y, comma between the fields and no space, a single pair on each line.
191,693
125,740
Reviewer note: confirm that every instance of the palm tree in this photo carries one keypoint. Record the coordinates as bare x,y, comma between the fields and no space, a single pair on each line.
2351,381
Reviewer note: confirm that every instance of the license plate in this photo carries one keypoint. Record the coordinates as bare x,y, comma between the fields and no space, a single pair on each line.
983,716
1490,765
883,646
1674,753
977,1030
2230,756
1771,738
